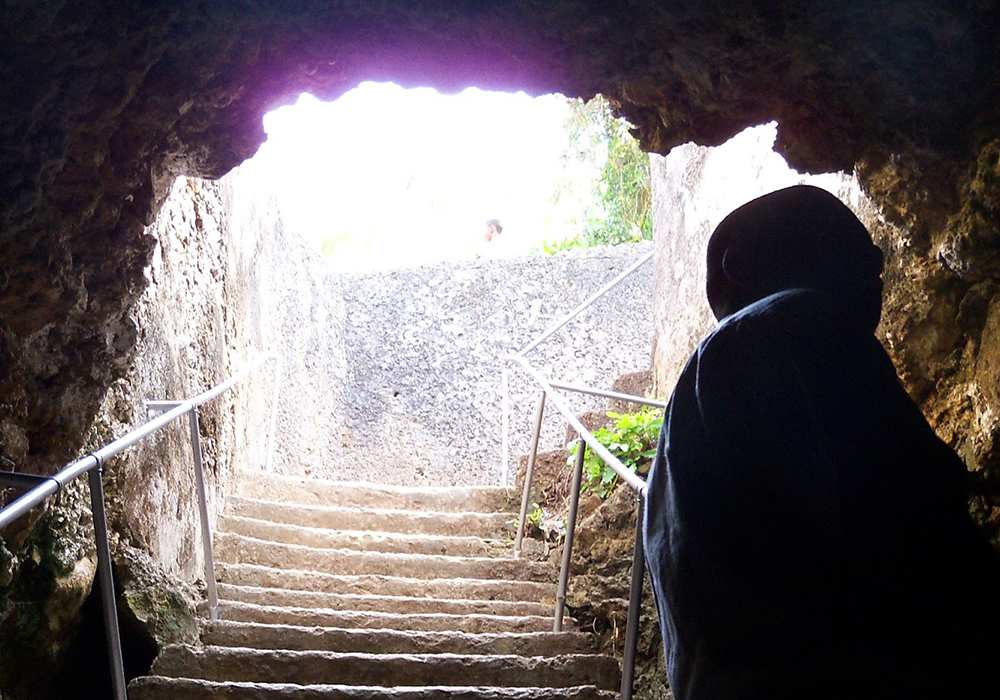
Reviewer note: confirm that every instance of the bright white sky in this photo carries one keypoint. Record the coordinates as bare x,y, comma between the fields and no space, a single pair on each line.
402,177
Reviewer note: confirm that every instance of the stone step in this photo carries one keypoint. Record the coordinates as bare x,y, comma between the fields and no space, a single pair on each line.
323,667
249,550
295,638
160,688
351,619
377,603
370,584
317,492
449,545
411,522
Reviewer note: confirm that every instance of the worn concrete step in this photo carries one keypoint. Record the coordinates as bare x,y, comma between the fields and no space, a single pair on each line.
412,522
161,688
449,545
318,667
370,584
378,603
296,638
249,550
351,619
317,492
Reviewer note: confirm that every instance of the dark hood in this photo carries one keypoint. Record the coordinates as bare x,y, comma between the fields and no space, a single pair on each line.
799,237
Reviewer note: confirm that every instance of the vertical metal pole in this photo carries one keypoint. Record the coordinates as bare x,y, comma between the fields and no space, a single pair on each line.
504,422
634,606
529,474
206,532
574,501
272,429
106,582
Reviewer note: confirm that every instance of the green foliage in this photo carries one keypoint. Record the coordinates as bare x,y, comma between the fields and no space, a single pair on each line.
621,210
542,526
534,518
553,247
632,440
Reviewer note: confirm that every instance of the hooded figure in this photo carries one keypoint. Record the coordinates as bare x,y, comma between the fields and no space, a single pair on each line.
806,532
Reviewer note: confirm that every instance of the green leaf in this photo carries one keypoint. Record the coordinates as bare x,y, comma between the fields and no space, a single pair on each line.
633,441
620,211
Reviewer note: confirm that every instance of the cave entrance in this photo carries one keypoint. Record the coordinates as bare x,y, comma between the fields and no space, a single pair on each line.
393,340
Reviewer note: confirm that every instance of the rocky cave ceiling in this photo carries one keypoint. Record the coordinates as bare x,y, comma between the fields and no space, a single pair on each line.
103,103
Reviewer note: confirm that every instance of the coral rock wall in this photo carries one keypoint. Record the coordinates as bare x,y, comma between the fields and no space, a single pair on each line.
195,329
426,345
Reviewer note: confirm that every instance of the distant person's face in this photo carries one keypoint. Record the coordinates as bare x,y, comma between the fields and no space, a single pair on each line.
491,232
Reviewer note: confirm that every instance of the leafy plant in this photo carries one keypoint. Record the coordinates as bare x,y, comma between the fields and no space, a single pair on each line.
535,516
540,524
632,440
621,209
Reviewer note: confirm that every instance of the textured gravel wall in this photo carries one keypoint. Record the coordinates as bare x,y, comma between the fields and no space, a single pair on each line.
425,347
395,376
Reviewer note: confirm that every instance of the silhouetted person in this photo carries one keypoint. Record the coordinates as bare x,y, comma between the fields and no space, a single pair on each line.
806,532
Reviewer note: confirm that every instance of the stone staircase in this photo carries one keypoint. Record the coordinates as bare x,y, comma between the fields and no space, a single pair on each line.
333,590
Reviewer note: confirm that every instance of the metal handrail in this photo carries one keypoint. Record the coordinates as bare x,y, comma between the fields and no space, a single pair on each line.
92,465
615,395
624,473
505,375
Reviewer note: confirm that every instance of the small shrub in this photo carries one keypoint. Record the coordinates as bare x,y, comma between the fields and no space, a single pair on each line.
542,526
632,440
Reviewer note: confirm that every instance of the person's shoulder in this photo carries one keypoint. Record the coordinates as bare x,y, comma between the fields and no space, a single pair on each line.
792,312
770,327
788,302
762,316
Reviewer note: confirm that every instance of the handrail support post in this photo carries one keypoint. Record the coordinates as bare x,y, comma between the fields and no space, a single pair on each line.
91,464
634,605
206,531
106,582
529,474
574,502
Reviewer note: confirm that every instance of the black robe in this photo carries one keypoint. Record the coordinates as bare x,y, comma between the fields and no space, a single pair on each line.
806,532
